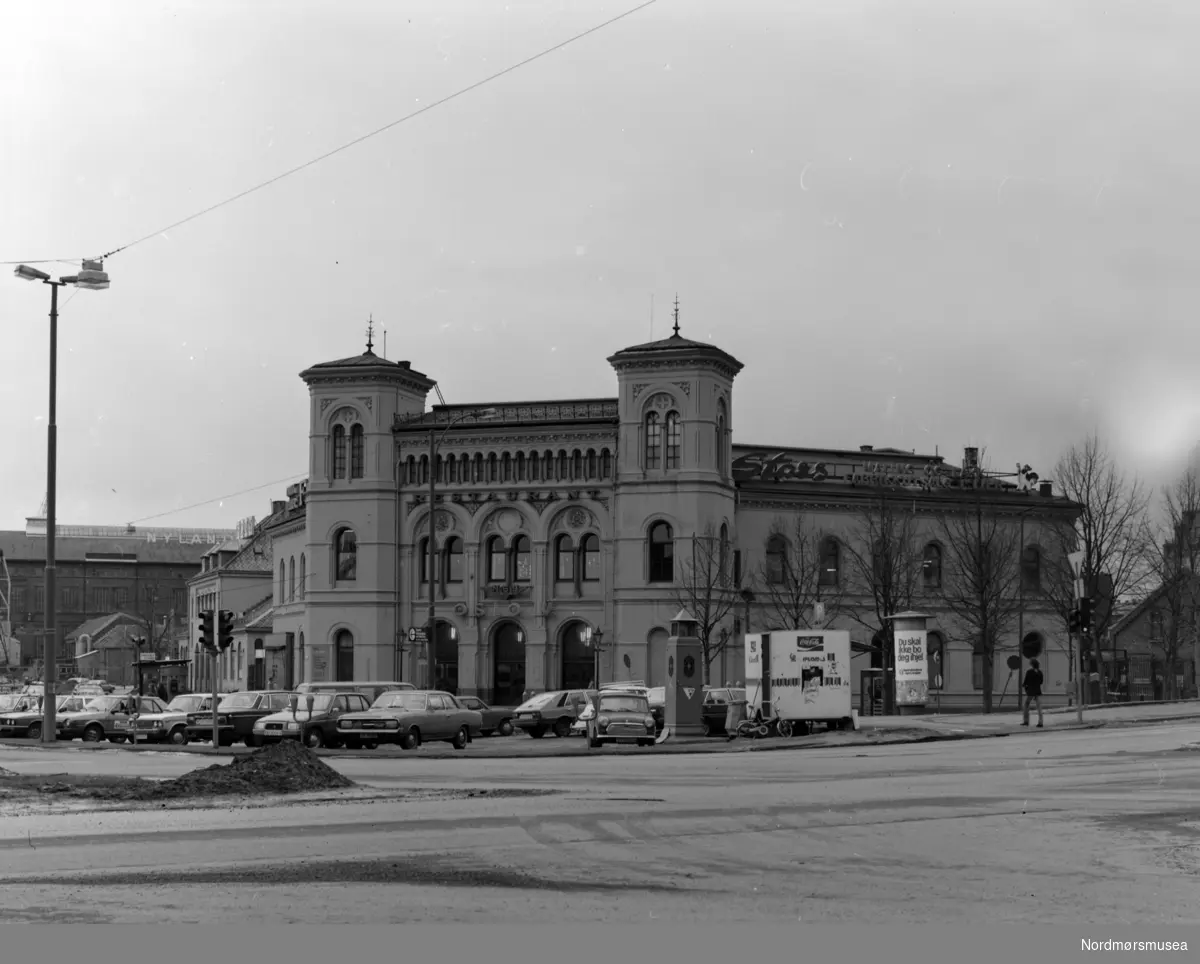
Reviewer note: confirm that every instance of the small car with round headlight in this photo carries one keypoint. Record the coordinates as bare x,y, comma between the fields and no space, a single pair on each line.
621,718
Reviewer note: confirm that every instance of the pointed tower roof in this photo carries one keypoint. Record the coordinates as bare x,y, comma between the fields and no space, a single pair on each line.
676,348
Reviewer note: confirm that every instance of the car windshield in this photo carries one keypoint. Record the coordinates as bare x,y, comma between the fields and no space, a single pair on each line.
29,704
239,701
400,701
738,694
99,703
72,704
541,701
321,702
611,703
185,704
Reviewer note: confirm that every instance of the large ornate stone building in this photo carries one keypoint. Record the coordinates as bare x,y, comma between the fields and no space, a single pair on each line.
555,519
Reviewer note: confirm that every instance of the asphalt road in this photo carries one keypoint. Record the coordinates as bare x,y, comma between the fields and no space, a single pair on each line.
1056,826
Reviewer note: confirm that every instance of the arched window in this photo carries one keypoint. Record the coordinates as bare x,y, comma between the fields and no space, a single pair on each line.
561,472
576,465
535,467
451,468
777,548
282,595
303,574
493,468
343,645
589,548
578,658
723,570
424,469
931,567
454,559
590,470
672,440
291,579
301,674
605,463
564,559
339,451
507,467
522,559
478,476
830,562
935,646
410,473
495,560
721,420
356,452
521,476
345,547
653,442
1031,569
662,553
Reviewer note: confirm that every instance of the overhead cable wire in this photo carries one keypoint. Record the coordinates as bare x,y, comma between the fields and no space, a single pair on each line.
220,498
364,137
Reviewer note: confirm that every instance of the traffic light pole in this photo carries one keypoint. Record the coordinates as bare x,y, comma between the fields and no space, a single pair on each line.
216,736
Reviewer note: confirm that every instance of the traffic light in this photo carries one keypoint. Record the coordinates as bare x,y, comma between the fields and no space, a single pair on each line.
1085,615
205,624
225,629
1074,621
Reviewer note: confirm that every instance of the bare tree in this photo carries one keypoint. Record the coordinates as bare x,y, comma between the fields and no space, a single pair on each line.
789,581
708,588
980,579
884,570
1111,531
1175,566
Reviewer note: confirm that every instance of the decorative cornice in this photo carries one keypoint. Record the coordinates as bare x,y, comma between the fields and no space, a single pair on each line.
487,443
652,364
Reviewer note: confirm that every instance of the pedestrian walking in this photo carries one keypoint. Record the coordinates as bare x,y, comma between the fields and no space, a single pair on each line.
1033,691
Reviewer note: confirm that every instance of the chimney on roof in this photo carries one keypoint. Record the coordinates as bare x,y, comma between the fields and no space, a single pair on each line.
1046,489
970,459
277,506
866,448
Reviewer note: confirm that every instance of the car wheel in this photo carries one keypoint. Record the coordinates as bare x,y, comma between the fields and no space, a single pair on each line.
562,728
35,731
314,739
116,739
506,728
785,728
538,732
461,739
411,740
225,739
705,728
93,734
178,736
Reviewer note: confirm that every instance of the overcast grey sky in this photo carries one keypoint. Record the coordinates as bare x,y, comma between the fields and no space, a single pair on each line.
917,224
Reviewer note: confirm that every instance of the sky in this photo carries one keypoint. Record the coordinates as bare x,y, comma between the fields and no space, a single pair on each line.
915,226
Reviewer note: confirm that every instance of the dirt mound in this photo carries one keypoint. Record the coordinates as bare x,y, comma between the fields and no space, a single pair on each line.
285,767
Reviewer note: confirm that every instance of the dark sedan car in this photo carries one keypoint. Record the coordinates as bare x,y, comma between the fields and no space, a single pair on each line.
716,706
236,715
496,719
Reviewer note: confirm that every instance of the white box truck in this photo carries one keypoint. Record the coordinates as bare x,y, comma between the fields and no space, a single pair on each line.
801,676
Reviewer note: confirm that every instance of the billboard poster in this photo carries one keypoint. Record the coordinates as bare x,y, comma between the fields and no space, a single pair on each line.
810,674
912,668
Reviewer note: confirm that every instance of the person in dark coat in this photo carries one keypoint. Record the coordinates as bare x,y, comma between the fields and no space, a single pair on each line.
162,693
1033,691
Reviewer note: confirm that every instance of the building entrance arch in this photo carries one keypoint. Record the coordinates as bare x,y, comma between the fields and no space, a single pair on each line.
508,664
445,657
578,660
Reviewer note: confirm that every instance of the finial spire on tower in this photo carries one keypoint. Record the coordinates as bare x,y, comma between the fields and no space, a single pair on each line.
677,315
370,333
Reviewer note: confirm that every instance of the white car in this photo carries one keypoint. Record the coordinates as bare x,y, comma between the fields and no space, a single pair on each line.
169,726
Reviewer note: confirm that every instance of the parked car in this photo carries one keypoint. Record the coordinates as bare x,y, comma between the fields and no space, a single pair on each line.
170,726
623,718
236,715
412,718
715,706
579,727
496,719
103,717
550,712
315,726
24,717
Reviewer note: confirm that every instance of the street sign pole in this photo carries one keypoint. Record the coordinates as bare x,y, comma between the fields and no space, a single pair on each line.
1077,559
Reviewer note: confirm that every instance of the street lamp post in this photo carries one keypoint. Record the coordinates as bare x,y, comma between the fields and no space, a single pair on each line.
595,639
435,440
91,277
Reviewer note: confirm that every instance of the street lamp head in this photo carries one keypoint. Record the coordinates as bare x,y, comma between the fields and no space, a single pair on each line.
92,276
30,274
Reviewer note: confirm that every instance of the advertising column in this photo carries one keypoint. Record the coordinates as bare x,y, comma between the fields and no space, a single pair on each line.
911,662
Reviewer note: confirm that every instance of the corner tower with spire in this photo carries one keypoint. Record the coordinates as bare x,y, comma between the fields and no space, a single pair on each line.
673,484
351,577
